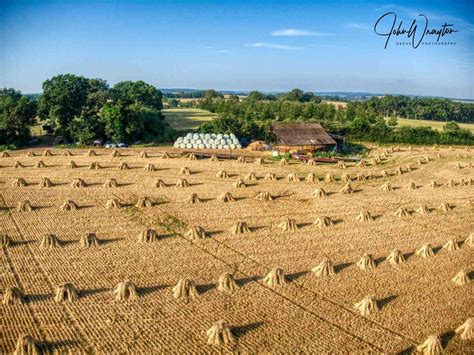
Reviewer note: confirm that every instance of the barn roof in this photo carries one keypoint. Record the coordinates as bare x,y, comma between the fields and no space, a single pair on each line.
302,134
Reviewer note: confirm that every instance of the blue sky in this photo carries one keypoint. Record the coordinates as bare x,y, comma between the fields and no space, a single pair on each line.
235,45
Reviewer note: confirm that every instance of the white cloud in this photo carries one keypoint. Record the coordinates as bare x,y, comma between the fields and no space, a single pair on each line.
293,32
224,51
358,26
272,46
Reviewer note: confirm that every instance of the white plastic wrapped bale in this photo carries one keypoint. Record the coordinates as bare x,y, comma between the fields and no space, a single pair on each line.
208,140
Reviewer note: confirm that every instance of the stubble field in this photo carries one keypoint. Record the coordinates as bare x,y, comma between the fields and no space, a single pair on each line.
310,313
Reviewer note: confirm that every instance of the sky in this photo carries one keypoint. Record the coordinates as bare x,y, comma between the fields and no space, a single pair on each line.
239,45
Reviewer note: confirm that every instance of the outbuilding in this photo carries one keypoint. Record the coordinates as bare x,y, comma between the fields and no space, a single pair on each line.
307,137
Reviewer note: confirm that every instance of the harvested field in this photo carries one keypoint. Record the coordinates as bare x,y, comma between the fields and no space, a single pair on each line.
186,118
111,267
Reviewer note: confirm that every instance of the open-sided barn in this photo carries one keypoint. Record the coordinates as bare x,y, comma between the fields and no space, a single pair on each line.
301,136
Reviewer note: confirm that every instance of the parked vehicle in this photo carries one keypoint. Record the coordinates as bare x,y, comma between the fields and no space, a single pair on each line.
98,143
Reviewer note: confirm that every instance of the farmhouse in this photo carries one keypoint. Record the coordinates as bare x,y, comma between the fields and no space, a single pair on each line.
301,136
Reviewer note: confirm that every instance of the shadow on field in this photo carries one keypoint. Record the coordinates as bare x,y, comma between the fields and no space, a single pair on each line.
246,280
215,232
109,241
38,297
237,199
93,291
83,207
205,288
151,289
242,330
446,338
52,346
304,224
408,255
60,184
195,183
257,228
295,276
342,266
18,243
42,207
207,199
123,184
166,236
379,261
384,301
92,184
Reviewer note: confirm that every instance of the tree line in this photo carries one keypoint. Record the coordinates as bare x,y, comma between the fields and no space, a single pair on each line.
81,110
252,116
433,109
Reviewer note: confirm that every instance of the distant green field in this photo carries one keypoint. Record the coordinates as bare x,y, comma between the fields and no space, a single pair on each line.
433,124
186,118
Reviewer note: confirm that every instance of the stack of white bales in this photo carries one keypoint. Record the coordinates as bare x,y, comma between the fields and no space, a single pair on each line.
208,140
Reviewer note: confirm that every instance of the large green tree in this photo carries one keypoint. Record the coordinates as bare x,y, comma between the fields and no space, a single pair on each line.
87,126
137,92
17,114
134,113
255,96
301,96
64,97
212,94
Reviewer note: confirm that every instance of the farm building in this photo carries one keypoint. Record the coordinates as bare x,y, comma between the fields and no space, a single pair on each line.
301,136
